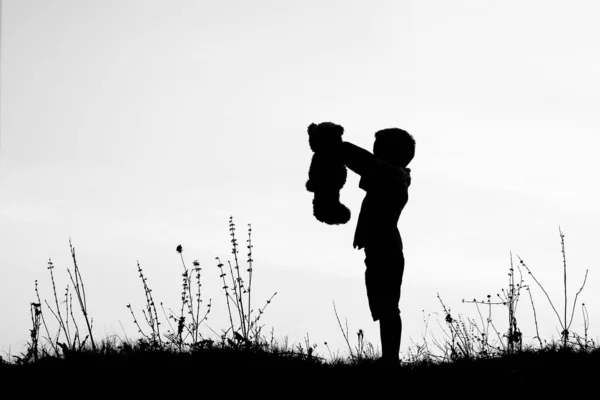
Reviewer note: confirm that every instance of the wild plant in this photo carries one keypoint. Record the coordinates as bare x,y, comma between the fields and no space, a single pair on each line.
562,321
465,342
192,328
420,352
584,342
80,291
362,350
510,298
149,313
187,334
310,348
49,340
306,352
34,334
64,316
467,338
245,329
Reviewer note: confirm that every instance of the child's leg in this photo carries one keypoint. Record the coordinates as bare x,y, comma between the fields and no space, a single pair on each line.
385,267
390,329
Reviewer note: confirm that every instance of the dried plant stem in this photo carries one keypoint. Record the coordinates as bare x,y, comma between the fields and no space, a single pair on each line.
48,338
187,286
586,323
66,302
565,332
57,314
166,317
344,333
225,287
136,322
248,328
240,283
563,321
150,314
207,312
250,269
81,294
36,312
537,331
261,311
544,290
236,300
197,322
576,296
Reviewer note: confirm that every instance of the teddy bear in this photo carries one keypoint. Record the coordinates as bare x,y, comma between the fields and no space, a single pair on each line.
327,173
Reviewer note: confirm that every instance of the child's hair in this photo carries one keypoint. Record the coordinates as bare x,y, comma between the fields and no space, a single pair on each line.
395,145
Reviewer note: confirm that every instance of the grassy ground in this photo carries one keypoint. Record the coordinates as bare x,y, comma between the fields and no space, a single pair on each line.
512,374
467,361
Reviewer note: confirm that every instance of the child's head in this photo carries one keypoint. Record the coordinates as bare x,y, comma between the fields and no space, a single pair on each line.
394,145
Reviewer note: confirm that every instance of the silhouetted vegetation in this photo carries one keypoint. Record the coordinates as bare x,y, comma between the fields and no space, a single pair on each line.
470,354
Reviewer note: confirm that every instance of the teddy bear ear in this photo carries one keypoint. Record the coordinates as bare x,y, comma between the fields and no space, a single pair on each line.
312,127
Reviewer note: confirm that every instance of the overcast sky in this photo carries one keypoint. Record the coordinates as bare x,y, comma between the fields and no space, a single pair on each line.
134,126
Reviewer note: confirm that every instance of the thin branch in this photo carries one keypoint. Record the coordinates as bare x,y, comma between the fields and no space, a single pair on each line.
249,269
37,293
562,242
575,301
220,265
81,294
544,290
345,334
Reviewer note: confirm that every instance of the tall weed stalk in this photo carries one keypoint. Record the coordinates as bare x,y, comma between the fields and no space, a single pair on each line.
245,328
565,326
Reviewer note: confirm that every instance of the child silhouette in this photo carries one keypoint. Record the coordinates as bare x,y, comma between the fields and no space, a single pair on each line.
386,178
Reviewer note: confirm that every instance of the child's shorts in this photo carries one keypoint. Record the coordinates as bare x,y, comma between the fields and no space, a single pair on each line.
383,278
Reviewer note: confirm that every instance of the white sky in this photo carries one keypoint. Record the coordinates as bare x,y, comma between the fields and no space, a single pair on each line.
135,126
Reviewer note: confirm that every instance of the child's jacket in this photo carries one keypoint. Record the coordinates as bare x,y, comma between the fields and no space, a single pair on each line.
387,193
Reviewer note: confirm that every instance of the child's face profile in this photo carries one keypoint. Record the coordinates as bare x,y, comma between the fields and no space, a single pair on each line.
395,146
386,150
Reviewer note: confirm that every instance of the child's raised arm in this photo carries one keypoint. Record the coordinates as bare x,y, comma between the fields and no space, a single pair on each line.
357,159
